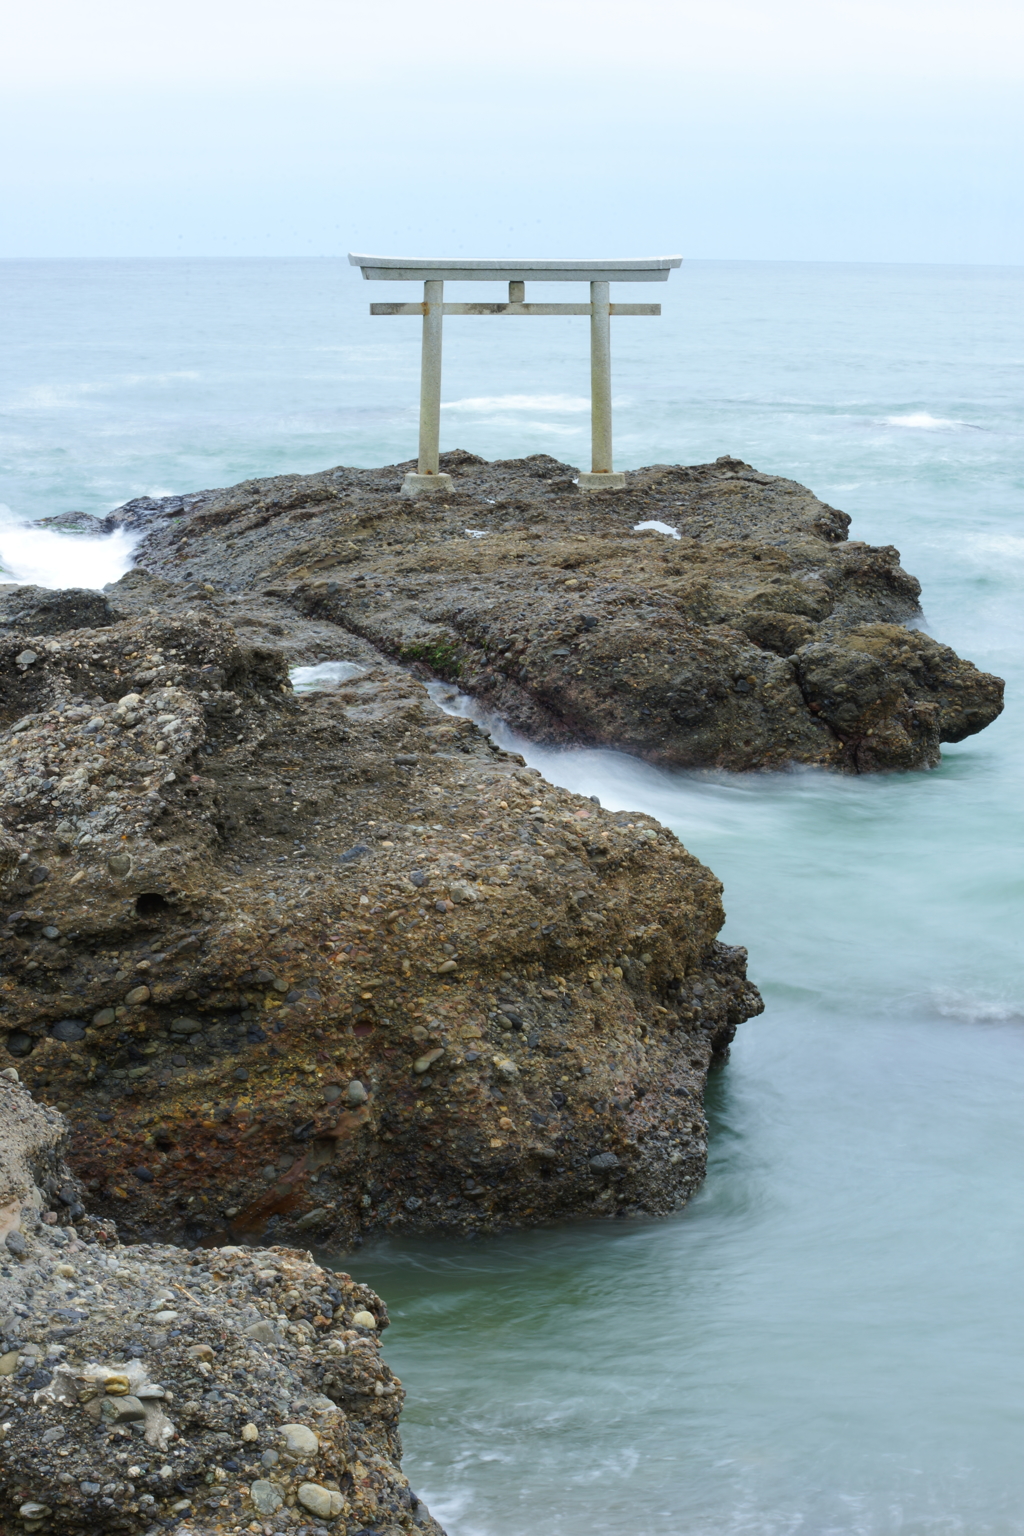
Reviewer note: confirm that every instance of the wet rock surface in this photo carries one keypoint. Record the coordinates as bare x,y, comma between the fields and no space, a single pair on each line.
759,638
144,1388
331,963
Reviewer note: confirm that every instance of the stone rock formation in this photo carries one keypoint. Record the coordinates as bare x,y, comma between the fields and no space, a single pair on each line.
759,638
332,962
145,1388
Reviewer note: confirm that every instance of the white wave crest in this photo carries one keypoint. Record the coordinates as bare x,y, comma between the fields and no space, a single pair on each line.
921,421
658,528
972,1009
41,557
325,676
50,396
1004,546
477,403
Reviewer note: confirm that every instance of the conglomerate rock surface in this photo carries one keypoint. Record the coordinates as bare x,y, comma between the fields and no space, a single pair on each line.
331,962
146,1388
761,637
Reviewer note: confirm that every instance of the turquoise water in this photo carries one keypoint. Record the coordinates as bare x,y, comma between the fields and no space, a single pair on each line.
830,1338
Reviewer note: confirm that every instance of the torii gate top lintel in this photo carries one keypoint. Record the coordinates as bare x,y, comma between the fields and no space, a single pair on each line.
457,269
435,271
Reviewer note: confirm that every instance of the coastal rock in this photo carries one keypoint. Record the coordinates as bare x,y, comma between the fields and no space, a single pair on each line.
758,638
115,1420
48,611
33,1171
176,882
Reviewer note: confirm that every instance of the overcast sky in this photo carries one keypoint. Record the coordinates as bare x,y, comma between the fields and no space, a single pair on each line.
785,129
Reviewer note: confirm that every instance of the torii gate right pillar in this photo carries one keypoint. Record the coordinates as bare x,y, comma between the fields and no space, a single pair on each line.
601,477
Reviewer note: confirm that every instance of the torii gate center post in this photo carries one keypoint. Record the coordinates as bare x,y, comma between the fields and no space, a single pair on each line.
434,272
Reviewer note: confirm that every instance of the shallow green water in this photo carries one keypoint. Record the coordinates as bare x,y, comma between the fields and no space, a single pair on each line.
830,1338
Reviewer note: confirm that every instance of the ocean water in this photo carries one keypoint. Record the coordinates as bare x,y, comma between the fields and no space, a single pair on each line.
830,1338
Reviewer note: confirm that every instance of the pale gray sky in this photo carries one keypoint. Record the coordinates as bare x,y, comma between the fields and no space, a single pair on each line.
793,129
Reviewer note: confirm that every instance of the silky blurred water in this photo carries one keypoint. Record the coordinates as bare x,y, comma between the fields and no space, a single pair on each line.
830,1338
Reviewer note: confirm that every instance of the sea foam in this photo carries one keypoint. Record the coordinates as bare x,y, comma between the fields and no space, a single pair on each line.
43,558
921,421
572,403
324,676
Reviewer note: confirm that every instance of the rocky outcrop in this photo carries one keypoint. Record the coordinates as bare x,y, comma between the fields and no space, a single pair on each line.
759,638
332,963
144,1388
33,1171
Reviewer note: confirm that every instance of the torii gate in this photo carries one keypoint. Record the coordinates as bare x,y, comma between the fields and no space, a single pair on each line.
435,272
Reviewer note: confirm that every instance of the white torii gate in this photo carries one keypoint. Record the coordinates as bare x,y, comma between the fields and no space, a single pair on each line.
435,272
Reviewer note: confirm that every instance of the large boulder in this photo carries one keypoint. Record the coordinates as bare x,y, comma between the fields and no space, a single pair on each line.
555,609
332,963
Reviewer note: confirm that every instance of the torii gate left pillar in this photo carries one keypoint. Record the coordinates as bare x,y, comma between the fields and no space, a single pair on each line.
435,272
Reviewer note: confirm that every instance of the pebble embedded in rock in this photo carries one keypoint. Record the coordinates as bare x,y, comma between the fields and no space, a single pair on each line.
185,1026
355,852
68,1029
299,1439
262,1332
250,1432
16,1244
123,1410
364,1320
356,1093
312,1218
266,1498
137,995
425,1062
119,864
316,1499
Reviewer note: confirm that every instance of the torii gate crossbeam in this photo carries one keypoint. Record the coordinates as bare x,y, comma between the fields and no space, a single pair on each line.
435,272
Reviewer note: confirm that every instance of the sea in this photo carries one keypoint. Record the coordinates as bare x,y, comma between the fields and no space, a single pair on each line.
830,1339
